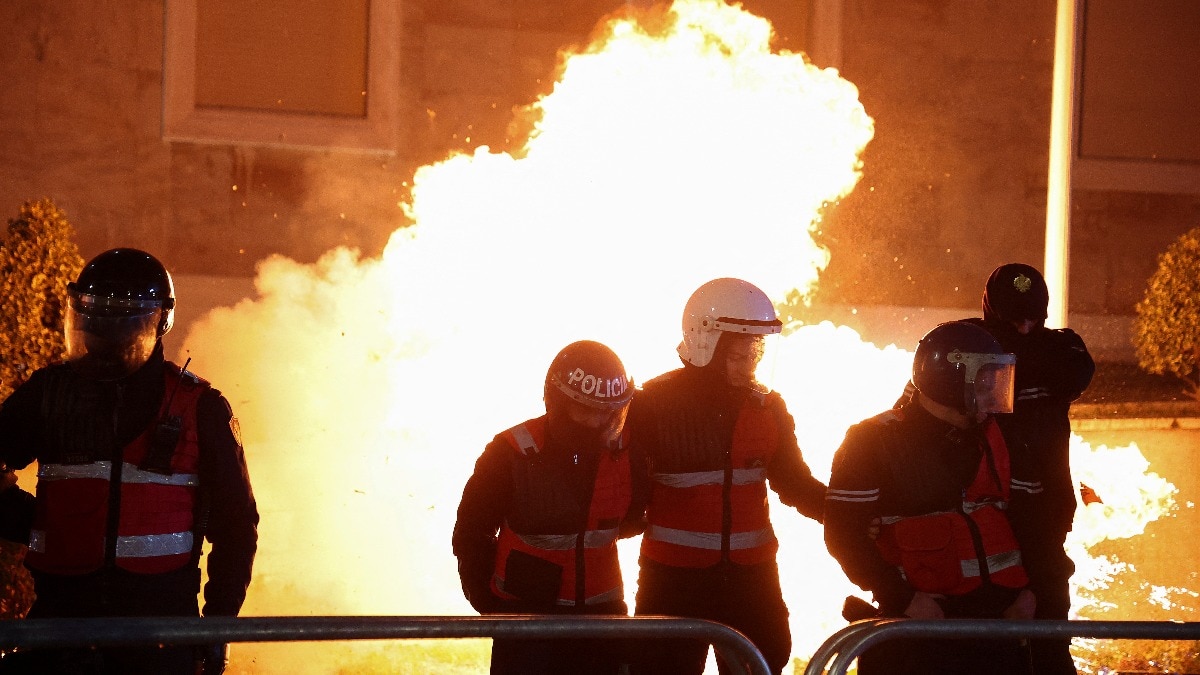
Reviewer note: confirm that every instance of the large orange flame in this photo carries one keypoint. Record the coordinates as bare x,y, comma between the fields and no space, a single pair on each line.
366,388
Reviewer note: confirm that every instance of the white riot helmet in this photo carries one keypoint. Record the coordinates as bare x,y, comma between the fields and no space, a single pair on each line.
724,305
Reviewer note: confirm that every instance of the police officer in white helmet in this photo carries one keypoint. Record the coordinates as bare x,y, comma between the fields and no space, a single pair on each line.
716,438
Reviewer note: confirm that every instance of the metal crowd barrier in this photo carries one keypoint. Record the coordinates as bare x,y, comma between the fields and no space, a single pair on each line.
117,632
849,643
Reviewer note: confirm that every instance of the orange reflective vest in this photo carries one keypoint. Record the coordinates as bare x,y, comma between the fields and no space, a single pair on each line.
697,519
155,526
955,552
578,567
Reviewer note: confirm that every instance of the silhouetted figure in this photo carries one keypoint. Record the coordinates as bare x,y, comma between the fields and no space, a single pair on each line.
932,507
139,461
716,438
540,517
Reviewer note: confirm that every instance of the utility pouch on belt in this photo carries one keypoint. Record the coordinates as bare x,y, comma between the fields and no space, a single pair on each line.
531,578
927,553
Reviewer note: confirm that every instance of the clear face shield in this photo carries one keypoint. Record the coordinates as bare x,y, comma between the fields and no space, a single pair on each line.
584,422
990,379
110,338
750,360
607,424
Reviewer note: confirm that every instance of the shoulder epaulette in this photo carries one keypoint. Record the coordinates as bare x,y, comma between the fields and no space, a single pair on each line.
188,378
889,416
525,443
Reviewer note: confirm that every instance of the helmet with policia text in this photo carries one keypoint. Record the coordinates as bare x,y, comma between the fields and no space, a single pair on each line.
724,305
960,365
587,395
119,307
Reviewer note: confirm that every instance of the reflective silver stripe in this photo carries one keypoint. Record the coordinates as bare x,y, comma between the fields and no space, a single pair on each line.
600,538
852,495
710,540
154,545
549,542
972,507
607,596
696,478
1033,393
892,520
37,541
1031,487
995,563
566,542
103,471
132,474
524,439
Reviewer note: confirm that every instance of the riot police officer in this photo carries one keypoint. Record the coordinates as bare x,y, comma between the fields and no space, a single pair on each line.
932,507
716,439
539,519
139,462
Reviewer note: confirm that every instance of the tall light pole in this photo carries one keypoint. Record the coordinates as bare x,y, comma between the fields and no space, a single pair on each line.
1058,195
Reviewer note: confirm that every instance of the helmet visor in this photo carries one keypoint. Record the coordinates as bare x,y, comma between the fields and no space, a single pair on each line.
605,424
994,386
109,338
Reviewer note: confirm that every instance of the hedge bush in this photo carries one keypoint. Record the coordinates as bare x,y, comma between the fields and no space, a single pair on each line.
38,258
1166,335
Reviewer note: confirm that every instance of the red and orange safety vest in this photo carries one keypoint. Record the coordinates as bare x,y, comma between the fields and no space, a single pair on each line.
696,518
955,552
587,558
157,510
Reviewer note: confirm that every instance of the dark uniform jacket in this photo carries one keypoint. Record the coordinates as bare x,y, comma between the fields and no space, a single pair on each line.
686,421
1053,369
119,412
909,463
544,492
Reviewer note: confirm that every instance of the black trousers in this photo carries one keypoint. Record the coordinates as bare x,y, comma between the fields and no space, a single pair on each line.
954,656
945,657
562,656
112,593
746,598
1053,657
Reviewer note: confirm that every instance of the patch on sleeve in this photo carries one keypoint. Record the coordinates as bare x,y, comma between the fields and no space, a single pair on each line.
236,429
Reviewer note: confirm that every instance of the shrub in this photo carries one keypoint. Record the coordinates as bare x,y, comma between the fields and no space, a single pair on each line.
37,260
1166,333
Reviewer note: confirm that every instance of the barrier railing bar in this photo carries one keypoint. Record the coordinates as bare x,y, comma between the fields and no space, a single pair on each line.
850,642
113,632
833,644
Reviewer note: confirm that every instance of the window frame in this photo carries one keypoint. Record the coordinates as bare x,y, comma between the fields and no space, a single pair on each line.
376,132
1119,175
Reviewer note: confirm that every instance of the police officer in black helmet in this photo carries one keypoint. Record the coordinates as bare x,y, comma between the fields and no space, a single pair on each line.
540,517
932,507
139,462
1053,369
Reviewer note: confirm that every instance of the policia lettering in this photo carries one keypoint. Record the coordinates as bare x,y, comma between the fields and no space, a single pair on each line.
597,387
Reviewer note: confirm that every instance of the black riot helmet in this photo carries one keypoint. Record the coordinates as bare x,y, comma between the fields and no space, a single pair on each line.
960,365
587,394
120,306
1015,292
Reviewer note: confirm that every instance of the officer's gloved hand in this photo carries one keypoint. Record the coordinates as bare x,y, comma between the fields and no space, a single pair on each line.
214,659
484,601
